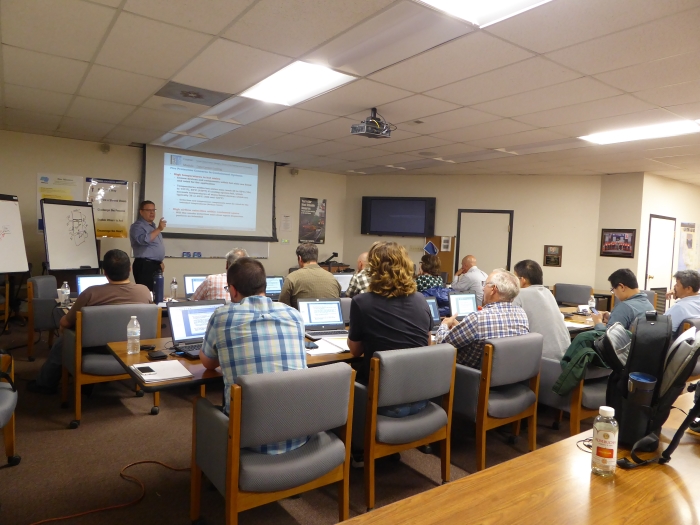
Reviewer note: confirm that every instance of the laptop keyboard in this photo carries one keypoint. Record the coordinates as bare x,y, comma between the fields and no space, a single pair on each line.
196,347
328,332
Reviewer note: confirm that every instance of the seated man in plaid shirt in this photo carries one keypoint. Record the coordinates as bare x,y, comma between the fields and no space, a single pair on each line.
214,286
253,335
499,317
360,281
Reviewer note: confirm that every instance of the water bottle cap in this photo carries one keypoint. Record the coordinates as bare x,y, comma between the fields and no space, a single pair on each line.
133,317
607,411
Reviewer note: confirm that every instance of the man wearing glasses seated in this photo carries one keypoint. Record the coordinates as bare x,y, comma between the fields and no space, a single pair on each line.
630,303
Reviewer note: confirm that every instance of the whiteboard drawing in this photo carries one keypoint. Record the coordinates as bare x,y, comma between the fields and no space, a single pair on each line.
4,230
77,227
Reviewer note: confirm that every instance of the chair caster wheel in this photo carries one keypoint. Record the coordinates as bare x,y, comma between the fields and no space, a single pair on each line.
74,424
140,393
555,425
31,359
512,440
155,411
13,460
64,404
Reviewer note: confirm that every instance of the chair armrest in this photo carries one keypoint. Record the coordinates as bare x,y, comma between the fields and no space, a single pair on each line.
466,394
68,353
212,442
359,416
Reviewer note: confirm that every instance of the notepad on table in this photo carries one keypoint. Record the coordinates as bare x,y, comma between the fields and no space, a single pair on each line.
164,371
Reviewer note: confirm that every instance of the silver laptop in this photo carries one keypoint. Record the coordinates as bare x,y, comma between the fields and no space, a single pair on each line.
322,317
344,280
274,287
434,312
86,281
192,282
462,304
188,322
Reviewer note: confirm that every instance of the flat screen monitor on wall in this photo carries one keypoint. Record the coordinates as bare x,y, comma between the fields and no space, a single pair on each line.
401,216
211,196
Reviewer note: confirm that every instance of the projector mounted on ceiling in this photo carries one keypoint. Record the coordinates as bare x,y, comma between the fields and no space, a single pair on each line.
373,127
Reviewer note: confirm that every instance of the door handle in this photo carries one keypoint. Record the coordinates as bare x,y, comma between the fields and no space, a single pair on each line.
650,276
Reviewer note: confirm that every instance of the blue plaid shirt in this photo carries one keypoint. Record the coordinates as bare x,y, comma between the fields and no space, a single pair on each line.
256,336
501,319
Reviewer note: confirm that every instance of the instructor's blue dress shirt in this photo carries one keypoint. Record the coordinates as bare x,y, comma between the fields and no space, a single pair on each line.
141,243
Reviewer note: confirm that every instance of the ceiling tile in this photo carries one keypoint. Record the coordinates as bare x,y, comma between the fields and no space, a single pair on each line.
230,67
660,39
188,108
316,163
127,135
110,3
517,139
84,127
326,148
238,139
351,98
444,151
410,108
565,22
293,27
485,130
59,27
462,58
664,72
394,159
191,13
105,83
99,110
359,154
400,32
154,119
259,151
148,47
332,130
458,118
290,142
689,111
416,143
290,156
564,94
38,70
31,120
293,119
516,78
676,94
37,100
347,166
644,118
608,107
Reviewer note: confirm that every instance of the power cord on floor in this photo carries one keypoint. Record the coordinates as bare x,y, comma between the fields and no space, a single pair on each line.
585,445
127,477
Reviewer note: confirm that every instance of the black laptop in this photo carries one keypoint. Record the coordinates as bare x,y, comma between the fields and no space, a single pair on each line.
192,282
188,322
274,287
322,317
462,304
434,312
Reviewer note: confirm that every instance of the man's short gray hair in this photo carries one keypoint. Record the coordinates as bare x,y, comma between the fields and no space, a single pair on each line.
688,278
235,254
508,284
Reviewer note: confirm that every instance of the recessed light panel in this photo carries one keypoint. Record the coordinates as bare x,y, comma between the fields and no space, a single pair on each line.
483,12
295,83
655,131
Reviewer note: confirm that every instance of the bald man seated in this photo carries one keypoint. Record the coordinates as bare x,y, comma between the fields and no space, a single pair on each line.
469,279
359,283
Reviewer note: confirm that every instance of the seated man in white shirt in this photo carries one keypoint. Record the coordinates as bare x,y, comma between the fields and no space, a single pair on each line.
214,286
541,309
469,279
685,291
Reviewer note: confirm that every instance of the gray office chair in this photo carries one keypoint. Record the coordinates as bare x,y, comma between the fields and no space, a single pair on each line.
582,402
572,294
345,303
85,356
8,402
687,323
503,391
399,377
268,408
41,307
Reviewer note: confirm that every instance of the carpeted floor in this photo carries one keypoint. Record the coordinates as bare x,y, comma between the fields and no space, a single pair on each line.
64,472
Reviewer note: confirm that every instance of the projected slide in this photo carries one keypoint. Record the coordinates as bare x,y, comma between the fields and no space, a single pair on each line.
209,194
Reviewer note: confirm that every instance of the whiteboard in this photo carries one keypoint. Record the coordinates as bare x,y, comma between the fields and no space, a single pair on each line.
69,234
14,255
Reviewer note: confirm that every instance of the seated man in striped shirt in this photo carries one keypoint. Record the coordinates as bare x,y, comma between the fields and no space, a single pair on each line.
498,318
253,335
214,286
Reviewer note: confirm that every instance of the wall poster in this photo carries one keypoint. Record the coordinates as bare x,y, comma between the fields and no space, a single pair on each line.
312,220
59,187
688,253
110,200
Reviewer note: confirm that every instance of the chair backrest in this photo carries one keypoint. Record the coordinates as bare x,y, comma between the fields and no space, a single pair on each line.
572,293
295,403
651,296
345,303
107,323
687,323
515,359
44,287
294,269
414,374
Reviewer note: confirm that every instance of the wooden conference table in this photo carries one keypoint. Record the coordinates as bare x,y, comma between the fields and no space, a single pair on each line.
554,484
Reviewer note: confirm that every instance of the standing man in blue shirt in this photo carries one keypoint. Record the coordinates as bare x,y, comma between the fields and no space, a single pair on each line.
147,244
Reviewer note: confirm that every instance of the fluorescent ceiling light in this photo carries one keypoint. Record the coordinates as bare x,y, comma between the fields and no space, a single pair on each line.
483,12
295,83
655,131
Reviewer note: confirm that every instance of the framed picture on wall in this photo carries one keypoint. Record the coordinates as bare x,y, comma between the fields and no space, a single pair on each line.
618,243
552,255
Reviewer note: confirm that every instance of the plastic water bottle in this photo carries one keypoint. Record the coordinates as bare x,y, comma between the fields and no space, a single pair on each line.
604,451
173,289
591,304
158,287
65,292
133,336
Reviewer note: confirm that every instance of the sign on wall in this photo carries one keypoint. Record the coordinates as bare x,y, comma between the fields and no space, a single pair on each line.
688,253
110,199
59,187
312,221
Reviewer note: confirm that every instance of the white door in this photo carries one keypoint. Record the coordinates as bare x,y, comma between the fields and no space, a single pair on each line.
486,236
662,240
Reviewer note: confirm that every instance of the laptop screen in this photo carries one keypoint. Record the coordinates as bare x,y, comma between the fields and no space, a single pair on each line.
86,281
432,303
192,282
462,303
343,279
320,314
188,321
274,285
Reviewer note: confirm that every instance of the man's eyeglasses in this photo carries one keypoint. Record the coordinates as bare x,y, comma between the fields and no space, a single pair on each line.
149,210
489,284
226,288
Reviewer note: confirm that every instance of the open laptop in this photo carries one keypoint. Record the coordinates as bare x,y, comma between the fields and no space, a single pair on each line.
434,312
274,287
462,304
188,323
344,280
86,281
322,317
192,282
